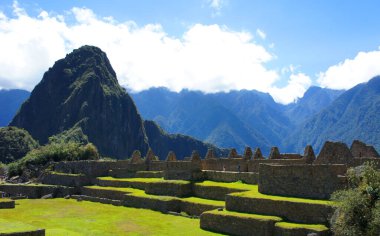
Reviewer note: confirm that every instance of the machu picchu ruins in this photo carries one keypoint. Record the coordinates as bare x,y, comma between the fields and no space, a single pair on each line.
248,194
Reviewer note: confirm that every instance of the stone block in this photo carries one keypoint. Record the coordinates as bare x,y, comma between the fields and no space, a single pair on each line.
233,223
175,188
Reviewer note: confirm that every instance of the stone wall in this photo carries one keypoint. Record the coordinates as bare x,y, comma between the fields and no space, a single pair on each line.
253,165
169,188
36,191
306,181
360,149
293,211
362,160
238,224
227,164
213,192
7,204
229,176
72,180
89,168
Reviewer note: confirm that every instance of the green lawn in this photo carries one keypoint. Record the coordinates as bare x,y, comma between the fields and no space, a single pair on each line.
69,217
257,194
234,185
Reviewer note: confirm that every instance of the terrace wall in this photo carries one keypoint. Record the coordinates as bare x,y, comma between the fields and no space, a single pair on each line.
306,181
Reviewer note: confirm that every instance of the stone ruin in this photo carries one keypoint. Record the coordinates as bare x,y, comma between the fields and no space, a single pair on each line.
258,155
274,153
233,153
136,157
309,155
334,153
171,156
247,153
210,154
360,149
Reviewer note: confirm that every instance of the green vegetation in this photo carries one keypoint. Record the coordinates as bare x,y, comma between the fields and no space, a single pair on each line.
14,226
74,134
358,211
203,201
141,180
256,194
66,174
36,159
244,215
14,144
287,225
69,217
236,185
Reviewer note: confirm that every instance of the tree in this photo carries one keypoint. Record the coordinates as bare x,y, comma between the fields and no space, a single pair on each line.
358,211
15,143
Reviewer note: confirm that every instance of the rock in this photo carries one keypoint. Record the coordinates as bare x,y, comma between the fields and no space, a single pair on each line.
67,197
47,196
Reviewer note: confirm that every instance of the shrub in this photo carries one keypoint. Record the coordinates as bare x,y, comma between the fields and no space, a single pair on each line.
15,143
53,152
358,211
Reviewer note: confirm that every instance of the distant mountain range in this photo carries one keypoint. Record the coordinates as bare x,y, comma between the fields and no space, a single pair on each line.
10,102
233,119
240,118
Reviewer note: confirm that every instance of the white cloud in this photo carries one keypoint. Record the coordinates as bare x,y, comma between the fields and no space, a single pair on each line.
210,58
351,72
296,87
216,6
261,34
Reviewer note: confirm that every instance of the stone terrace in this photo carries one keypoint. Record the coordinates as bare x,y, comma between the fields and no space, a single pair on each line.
285,194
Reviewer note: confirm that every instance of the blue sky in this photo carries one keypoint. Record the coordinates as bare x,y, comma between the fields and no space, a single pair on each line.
292,44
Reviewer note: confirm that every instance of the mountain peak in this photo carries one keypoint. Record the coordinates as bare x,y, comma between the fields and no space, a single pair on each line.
82,91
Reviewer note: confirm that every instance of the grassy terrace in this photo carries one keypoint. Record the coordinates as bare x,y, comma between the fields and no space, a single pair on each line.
65,174
144,180
5,200
69,217
141,193
245,215
287,225
255,194
14,226
203,201
235,185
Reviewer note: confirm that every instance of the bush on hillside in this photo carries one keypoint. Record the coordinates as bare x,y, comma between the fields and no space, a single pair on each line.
15,143
358,211
37,159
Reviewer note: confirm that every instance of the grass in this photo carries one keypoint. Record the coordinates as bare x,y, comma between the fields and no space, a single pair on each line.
255,194
245,215
5,200
203,201
14,226
66,174
235,185
315,227
29,184
69,217
135,192
144,180
141,180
